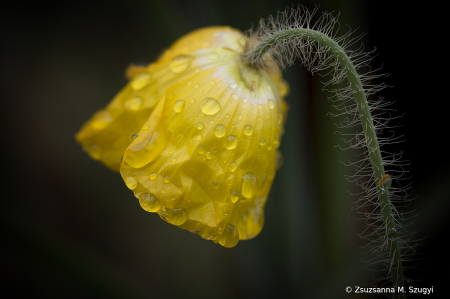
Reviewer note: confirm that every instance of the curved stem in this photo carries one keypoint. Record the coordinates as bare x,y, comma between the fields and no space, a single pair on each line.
285,36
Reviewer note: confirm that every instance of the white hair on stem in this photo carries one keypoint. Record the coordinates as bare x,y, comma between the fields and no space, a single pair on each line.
277,43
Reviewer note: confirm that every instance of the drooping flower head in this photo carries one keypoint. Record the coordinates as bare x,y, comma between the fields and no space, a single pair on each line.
195,135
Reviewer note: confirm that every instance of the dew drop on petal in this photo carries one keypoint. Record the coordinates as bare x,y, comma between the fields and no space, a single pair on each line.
101,120
180,63
210,106
131,182
262,142
166,179
215,184
239,117
231,142
153,176
199,137
178,107
208,155
233,167
145,128
248,184
234,96
271,104
234,196
134,104
192,100
248,130
199,126
176,216
201,150
220,130
230,236
213,56
233,85
149,202
140,80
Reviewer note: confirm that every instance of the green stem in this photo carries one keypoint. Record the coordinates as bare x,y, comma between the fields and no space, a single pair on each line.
285,36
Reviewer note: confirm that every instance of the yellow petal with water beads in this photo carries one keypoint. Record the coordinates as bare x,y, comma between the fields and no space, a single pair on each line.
199,159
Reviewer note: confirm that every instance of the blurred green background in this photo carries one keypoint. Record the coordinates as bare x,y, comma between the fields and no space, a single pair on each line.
70,228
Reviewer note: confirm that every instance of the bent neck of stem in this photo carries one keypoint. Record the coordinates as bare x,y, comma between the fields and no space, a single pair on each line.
285,36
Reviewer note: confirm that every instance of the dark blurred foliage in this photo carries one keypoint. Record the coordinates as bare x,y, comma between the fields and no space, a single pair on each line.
70,228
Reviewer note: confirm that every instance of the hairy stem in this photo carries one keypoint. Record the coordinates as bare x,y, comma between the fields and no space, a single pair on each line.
254,57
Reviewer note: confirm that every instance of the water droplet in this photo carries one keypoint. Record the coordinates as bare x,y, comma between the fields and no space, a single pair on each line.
166,179
149,202
178,107
231,142
234,196
233,85
145,128
213,56
174,160
392,235
192,100
220,130
175,216
280,118
197,85
186,184
153,176
189,83
199,137
134,136
215,184
269,147
210,106
230,236
134,104
271,104
239,116
180,63
276,141
248,130
170,152
140,80
262,142
101,120
131,182
233,167
200,126
212,82
208,155
215,150
234,96
248,185
163,191
385,182
201,150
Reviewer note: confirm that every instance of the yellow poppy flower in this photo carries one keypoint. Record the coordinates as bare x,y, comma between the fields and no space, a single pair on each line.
198,131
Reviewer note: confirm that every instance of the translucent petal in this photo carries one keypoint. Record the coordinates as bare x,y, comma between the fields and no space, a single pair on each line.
198,163
198,131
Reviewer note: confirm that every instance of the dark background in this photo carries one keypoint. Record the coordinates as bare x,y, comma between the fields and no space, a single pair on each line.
70,228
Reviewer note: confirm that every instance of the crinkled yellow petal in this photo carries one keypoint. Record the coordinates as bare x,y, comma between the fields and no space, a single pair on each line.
110,130
201,143
206,159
